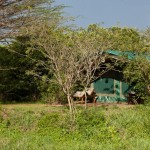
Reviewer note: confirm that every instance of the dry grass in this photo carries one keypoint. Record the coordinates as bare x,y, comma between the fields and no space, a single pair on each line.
47,106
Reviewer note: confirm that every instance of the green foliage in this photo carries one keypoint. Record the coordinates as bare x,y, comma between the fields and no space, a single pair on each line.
23,78
117,38
51,93
137,73
15,84
21,71
126,39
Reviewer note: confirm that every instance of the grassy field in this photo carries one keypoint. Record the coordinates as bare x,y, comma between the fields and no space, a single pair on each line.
44,127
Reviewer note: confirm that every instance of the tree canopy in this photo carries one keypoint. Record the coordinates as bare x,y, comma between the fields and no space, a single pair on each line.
15,14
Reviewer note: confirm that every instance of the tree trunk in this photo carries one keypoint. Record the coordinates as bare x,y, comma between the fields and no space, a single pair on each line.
85,98
71,107
69,103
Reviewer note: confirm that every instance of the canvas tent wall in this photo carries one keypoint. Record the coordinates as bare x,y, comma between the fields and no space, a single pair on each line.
111,87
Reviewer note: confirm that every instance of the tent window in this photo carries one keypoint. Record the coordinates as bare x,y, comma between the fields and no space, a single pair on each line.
104,86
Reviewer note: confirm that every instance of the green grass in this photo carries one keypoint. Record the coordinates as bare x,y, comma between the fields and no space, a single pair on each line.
42,127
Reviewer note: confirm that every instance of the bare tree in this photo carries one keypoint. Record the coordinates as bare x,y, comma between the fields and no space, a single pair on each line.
71,55
61,56
90,63
92,46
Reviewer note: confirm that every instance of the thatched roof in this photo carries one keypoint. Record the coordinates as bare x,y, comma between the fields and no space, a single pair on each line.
80,94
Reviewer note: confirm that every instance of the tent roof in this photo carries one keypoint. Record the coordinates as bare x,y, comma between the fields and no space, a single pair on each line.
128,54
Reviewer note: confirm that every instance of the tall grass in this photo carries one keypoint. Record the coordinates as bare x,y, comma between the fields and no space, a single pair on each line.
107,128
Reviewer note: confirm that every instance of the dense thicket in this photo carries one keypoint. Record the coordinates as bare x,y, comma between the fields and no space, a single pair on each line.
46,60
23,78
27,71
22,74
15,83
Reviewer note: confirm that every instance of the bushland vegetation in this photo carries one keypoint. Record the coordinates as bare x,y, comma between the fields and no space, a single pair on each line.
44,60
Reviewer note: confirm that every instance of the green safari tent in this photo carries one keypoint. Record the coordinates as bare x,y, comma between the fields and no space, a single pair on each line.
111,87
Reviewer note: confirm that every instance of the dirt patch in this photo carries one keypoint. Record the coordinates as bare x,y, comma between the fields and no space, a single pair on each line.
98,104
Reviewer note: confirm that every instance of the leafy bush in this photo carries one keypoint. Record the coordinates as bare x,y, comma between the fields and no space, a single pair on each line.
137,73
93,124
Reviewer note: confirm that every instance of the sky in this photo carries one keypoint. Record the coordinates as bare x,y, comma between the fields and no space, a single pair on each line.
108,13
